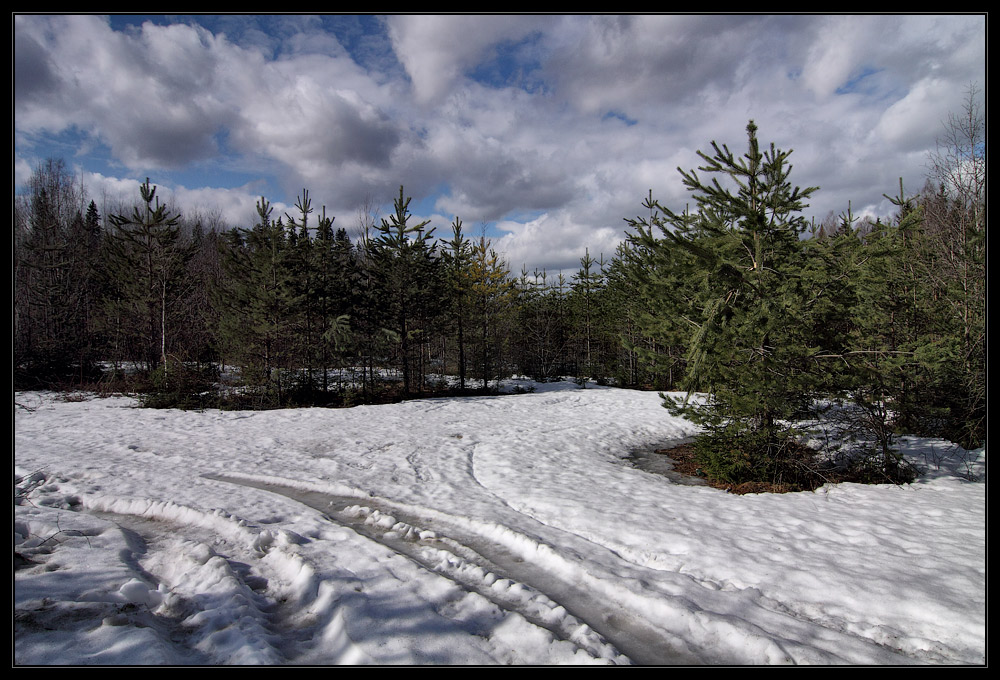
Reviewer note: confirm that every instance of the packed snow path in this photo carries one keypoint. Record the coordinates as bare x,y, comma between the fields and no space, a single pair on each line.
479,530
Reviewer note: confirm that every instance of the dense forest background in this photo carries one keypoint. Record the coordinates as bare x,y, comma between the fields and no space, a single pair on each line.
735,295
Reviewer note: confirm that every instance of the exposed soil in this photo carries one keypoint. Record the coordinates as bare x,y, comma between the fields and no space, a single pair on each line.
683,457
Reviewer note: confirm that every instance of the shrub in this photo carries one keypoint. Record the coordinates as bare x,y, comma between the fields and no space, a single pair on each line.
758,460
181,386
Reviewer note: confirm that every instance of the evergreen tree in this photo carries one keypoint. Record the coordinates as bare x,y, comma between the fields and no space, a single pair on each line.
586,284
146,262
545,327
887,383
457,260
301,296
341,310
955,225
408,279
668,284
87,234
831,262
539,350
252,304
371,338
749,349
322,296
204,270
493,295
55,256
904,352
625,306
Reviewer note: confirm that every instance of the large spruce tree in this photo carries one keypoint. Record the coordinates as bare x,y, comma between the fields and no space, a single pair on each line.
748,308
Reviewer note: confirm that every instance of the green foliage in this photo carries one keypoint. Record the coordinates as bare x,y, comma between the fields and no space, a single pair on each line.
408,281
182,386
256,303
145,265
904,356
56,280
543,323
739,263
492,294
457,256
659,274
735,455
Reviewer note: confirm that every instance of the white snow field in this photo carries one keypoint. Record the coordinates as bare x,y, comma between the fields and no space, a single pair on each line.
482,530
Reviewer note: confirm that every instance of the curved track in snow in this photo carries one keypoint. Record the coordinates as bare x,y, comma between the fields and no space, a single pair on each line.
501,575
555,593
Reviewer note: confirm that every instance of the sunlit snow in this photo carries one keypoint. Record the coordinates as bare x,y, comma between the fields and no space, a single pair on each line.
513,529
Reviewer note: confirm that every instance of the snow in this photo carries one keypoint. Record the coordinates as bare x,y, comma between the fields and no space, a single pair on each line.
513,529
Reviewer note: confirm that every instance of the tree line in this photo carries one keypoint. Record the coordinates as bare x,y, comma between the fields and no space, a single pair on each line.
292,308
736,298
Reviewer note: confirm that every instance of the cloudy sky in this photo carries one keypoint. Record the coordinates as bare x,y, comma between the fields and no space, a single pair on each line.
546,131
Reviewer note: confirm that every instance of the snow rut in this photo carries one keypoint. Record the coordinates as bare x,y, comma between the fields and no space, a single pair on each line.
500,567
208,581
197,573
467,568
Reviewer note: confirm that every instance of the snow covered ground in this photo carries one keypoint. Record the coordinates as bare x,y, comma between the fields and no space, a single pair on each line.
480,530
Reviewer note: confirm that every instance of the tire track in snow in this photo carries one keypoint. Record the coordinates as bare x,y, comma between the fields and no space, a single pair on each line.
166,553
502,574
647,625
199,619
227,553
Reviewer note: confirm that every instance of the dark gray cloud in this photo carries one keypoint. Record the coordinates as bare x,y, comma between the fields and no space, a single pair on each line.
34,76
353,134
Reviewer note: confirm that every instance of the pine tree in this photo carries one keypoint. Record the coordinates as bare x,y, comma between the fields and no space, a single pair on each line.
252,303
55,257
146,260
669,286
749,349
86,234
457,259
586,285
324,290
493,294
301,297
888,384
408,278
955,225
204,271
372,339
623,300
905,352
538,337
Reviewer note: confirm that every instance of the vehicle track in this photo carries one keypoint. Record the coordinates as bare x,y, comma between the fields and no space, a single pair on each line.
510,580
